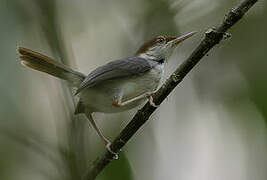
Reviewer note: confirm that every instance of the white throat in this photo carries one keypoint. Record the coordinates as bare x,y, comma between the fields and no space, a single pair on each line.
146,56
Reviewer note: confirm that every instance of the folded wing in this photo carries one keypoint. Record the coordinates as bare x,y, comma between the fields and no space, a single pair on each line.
116,69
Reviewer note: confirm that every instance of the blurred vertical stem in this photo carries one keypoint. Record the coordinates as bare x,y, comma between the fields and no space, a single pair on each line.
45,16
74,157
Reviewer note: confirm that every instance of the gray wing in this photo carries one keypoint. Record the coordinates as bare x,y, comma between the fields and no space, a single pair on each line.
116,69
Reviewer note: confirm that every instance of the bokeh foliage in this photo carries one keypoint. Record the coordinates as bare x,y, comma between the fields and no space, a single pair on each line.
40,138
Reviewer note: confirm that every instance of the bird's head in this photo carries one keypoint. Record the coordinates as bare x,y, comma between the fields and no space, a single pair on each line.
161,47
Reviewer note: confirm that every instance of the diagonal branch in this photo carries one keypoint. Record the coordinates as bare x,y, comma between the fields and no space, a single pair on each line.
212,37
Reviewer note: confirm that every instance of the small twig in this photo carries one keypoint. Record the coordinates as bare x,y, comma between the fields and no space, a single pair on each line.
212,37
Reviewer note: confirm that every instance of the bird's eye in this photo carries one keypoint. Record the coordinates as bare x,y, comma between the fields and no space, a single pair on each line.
160,40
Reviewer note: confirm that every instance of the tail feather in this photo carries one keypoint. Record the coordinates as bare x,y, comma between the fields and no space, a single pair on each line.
48,65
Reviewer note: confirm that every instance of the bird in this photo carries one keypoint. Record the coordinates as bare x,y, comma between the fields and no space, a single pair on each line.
114,87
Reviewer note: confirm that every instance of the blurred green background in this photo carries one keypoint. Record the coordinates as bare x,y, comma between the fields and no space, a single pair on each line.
213,126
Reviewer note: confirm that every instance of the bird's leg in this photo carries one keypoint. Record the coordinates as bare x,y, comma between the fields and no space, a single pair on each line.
117,101
100,134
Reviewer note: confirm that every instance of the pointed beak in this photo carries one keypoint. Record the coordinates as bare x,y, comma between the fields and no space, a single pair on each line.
181,38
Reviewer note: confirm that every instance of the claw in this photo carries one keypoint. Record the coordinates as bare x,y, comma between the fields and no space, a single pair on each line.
150,98
115,155
152,103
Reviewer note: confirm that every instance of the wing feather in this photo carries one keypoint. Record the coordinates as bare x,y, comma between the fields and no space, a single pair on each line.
116,69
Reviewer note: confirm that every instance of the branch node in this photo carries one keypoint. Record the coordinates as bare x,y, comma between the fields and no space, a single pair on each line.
213,36
227,36
176,77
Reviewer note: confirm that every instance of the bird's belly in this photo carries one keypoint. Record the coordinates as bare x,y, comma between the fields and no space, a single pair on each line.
100,97
102,102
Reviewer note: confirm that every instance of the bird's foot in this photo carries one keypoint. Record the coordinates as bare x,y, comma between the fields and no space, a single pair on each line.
149,96
115,155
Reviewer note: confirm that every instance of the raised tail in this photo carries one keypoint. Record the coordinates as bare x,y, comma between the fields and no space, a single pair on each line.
48,65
